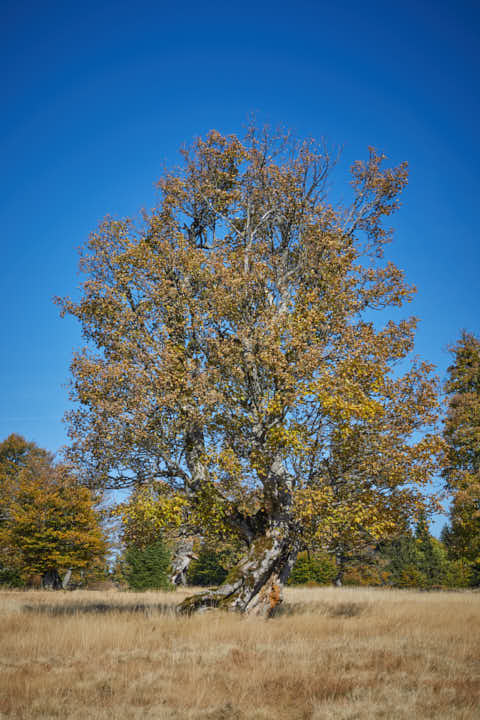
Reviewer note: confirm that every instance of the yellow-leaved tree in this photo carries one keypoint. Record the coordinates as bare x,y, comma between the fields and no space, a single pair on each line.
48,523
233,353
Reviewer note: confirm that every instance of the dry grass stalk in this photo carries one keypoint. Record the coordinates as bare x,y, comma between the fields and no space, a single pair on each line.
337,654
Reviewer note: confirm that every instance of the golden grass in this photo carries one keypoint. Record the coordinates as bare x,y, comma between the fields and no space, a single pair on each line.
331,655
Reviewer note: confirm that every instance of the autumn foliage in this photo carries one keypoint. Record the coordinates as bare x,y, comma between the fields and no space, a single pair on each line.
49,523
233,353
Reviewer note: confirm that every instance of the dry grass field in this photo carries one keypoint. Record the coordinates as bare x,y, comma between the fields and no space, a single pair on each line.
331,655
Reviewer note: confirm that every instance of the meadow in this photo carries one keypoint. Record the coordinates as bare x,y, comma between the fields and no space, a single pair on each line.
330,654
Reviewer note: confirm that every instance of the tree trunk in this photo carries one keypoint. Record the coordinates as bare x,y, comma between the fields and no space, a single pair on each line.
51,580
255,585
66,579
182,558
340,562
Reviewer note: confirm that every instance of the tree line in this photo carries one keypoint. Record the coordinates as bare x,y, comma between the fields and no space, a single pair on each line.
245,376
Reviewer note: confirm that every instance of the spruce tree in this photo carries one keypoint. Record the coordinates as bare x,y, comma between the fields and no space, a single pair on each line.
147,568
462,436
206,569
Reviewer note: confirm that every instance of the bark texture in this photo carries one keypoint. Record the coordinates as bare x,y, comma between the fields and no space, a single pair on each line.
182,558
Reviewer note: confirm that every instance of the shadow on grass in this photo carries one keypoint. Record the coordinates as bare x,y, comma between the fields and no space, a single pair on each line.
100,609
344,609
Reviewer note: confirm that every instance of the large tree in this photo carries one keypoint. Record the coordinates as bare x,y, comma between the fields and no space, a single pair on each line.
232,352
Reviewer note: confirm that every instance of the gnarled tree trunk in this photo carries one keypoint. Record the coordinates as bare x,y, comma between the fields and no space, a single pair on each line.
255,585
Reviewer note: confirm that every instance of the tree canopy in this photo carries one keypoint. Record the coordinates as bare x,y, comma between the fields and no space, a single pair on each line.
232,353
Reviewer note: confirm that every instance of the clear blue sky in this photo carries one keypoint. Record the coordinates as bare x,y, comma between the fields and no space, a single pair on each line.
98,97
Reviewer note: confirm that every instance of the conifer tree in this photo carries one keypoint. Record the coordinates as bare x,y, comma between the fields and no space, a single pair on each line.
432,558
147,568
462,436
316,568
206,569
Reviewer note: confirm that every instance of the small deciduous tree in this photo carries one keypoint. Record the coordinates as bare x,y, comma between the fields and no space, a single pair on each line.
49,522
232,353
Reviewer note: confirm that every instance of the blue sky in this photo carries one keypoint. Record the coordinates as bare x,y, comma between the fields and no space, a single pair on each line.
97,99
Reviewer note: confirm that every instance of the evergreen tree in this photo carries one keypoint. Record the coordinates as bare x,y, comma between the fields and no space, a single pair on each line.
432,558
462,469
403,561
206,569
147,568
422,561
